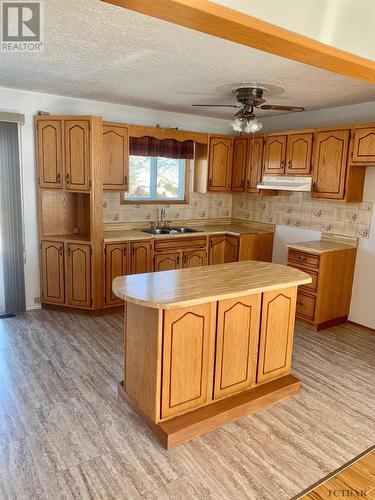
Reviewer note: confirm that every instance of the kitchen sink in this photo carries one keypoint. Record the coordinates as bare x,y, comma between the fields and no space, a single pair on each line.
171,230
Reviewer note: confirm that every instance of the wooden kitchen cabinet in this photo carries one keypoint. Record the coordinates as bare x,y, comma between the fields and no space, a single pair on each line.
66,151
299,154
167,261
53,279
236,345
141,257
115,157
77,154
330,163
194,259
240,151
276,334
188,345
223,249
116,264
50,154
78,268
254,164
256,247
364,145
326,300
275,154
220,164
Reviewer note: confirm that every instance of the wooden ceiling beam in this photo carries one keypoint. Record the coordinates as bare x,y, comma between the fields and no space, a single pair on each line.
219,21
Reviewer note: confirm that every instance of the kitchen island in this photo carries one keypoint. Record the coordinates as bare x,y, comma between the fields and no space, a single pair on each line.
205,346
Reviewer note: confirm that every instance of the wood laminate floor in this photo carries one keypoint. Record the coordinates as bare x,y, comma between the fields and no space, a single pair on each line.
64,432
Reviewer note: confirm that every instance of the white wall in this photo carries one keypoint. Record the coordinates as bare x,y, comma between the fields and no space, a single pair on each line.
29,103
362,308
285,235
344,24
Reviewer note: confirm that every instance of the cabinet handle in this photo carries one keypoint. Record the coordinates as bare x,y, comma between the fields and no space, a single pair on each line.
300,303
67,178
125,252
69,252
133,251
282,164
242,183
302,258
313,187
58,178
126,181
61,250
289,163
210,182
178,260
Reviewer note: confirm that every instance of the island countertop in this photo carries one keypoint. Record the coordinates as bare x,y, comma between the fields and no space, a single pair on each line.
187,287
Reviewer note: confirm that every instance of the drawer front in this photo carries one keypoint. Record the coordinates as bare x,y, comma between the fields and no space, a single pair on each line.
172,244
303,258
310,287
305,307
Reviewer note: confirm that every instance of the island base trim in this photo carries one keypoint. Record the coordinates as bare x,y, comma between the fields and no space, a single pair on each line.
181,429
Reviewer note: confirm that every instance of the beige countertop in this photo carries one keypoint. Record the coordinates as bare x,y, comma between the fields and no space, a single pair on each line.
320,246
230,228
199,285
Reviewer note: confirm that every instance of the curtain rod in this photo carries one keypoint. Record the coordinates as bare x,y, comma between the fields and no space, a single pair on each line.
12,117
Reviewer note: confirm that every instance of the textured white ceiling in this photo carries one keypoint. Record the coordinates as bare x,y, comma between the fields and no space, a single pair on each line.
98,51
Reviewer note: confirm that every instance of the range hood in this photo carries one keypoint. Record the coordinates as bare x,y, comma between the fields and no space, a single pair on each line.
285,183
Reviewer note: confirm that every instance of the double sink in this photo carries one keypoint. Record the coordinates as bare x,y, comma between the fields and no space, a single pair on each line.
171,230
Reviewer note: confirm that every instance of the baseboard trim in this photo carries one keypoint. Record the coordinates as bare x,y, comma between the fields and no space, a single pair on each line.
84,312
369,329
183,428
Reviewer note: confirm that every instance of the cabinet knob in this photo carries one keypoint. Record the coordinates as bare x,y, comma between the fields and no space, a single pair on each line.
300,303
282,164
61,250
67,178
58,178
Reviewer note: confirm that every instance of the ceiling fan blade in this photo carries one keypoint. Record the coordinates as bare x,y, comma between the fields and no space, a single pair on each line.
217,105
275,107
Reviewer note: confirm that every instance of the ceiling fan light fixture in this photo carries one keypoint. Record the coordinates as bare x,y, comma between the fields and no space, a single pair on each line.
247,125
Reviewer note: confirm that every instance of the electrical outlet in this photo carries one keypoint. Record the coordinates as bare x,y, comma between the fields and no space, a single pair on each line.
36,300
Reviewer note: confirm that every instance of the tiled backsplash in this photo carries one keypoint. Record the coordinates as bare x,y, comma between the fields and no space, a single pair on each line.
287,209
300,210
201,206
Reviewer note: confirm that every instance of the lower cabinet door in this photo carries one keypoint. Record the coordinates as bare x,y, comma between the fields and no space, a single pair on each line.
167,261
194,259
223,249
141,261
188,347
53,283
276,334
236,345
79,275
116,264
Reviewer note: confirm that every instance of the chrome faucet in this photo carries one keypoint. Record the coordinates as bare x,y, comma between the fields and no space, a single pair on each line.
162,216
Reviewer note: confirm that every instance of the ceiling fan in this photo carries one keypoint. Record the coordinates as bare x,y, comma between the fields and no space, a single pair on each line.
250,97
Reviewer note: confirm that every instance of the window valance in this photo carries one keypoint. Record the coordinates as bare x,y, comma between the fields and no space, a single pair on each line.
166,148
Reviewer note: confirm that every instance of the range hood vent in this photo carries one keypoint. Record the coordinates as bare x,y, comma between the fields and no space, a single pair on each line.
284,183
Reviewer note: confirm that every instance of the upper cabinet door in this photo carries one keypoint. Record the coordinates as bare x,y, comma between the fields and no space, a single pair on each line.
275,150
50,160
220,164
299,152
364,145
115,157
77,155
330,164
254,164
239,164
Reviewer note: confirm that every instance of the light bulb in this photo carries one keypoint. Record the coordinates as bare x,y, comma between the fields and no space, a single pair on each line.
253,125
237,125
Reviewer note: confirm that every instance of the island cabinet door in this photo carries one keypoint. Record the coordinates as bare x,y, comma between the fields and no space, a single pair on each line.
188,347
276,334
167,261
116,264
236,345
